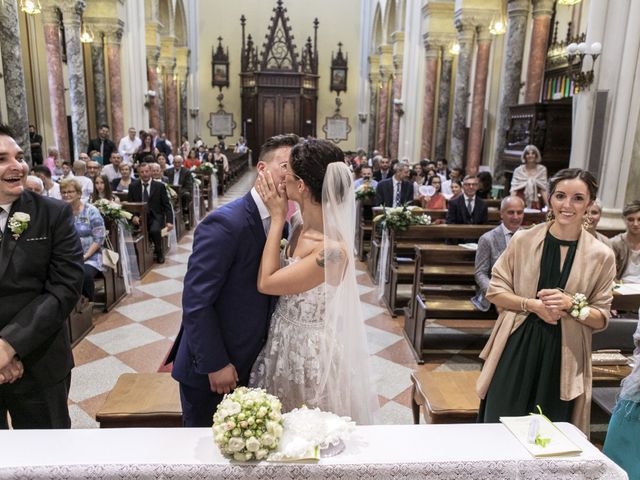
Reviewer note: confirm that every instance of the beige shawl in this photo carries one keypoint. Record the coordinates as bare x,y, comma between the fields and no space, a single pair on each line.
521,180
517,271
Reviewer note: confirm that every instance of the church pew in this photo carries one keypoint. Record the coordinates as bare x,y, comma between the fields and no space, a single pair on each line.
364,215
141,240
114,285
80,321
179,222
206,193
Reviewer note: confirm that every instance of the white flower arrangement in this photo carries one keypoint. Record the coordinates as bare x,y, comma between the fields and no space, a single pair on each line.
247,424
112,210
580,308
401,218
18,223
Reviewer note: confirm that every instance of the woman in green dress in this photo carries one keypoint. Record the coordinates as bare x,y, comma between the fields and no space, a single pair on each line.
538,354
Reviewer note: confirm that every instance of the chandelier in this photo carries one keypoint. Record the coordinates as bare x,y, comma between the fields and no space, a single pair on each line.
30,7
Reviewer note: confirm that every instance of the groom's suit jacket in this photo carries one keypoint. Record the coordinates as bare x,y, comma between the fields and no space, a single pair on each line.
225,319
40,281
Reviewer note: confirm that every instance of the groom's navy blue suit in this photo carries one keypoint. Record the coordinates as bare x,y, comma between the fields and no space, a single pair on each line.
225,319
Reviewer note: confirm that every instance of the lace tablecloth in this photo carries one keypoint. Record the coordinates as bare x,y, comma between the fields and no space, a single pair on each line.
389,452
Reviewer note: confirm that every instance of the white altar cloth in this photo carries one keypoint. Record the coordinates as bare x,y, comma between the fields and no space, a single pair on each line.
483,451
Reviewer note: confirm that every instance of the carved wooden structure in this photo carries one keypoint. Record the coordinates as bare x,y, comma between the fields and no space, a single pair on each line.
279,89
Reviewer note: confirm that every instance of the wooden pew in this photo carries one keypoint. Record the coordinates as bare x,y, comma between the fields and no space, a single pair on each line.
206,193
364,214
114,284
179,222
402,244
141,240
238,162
80,321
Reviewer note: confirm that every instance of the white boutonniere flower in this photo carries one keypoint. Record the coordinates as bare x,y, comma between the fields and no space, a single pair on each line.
18,223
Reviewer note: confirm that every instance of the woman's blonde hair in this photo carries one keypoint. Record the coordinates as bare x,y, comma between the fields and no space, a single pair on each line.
71,182
530,148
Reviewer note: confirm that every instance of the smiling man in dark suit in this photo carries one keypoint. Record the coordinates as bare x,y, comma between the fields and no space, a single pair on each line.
225,319
160,211
40,280
397,190
468,208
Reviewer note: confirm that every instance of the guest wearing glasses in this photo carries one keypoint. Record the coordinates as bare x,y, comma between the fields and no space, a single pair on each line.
468,208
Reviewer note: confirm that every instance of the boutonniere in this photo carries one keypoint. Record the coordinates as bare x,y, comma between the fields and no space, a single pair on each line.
18,223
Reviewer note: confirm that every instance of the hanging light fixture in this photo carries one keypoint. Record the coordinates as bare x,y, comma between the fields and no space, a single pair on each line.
30,7
454,49
498,27
568,3
86,35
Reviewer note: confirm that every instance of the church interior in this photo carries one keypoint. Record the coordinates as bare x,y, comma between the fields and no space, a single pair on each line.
471,82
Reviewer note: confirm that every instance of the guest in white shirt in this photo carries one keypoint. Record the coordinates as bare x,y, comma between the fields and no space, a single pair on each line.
367,178
50,188
454,174
80,170
112,170
34,184
129,145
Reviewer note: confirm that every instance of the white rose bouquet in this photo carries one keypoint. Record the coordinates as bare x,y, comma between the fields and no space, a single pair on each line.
248,424
112,210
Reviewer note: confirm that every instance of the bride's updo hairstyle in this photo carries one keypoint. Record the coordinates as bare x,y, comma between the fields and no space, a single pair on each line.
569,174
309,161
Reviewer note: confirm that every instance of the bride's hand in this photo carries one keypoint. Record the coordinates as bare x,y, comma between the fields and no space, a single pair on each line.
274,196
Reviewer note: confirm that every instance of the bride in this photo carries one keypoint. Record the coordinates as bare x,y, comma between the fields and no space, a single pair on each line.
316,353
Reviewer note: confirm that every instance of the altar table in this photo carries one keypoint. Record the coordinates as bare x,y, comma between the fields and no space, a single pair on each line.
479,451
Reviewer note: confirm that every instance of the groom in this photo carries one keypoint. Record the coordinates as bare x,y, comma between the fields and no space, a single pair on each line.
225,319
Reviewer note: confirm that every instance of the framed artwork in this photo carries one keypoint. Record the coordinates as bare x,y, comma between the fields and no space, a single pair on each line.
339,68
220,66
221,124
336,128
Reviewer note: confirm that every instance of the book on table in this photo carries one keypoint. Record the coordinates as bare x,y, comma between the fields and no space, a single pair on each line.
553,441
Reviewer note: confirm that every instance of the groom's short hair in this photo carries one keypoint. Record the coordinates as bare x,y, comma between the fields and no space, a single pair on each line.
276,142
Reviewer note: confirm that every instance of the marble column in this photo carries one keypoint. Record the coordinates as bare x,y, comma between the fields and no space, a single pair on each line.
183,108
517,13
113,38
465,39
542,12
383,104
152,72
75,65
476,131
161,99
444,101
428,113
99,81
374,91
394,131
51,25
15,91
172,109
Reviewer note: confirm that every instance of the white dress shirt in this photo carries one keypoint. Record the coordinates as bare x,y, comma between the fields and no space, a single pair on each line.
508,234
5,208
87,187
262,210
111,172
466,202
53,192
128,147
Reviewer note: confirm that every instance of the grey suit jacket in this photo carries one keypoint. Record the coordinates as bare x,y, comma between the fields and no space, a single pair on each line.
490,247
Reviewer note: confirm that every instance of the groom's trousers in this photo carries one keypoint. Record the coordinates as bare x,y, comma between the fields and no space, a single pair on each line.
198,406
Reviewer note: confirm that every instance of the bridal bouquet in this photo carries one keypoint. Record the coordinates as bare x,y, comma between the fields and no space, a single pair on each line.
112,210
401,218
248,424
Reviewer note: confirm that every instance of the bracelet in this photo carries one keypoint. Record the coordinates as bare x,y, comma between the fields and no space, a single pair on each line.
523,305
580,308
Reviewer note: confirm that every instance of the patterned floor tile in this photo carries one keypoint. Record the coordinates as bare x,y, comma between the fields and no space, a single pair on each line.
86,352
146,359
141,311
92,405
96,377
172,272
379,339
80,418
124,338
180,257
175,299
161,289
165,325
369,311
393,413
391,379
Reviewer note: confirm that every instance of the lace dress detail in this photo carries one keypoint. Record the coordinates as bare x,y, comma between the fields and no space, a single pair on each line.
288,365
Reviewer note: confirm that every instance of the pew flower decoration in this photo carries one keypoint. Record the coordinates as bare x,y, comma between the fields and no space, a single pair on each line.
112,210
18,223
195,178
365,191
207,168
173,196
401,218
248,424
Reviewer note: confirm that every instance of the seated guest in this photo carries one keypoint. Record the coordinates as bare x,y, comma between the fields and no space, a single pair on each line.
594,213
437,200
102,189
492,244
146,148
384,168
162,161
468,208
485,184
241,146
93,169
50,188
621,443
442,169
194,160
420,179
201,154
529,180
112,170
456,189
156,173
181,177
128,146
626,245
454,175
67,171
366,177
219,158
34,184
160,211
80,172
122,184
90,227
51,160
397,190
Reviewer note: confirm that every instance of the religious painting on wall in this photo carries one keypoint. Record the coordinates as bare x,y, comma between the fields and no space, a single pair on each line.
336,128
221,124
220,66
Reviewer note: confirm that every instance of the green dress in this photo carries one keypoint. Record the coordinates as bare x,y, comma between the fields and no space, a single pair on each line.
528,372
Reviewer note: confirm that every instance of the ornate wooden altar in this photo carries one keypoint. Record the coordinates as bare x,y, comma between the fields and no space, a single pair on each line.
279,89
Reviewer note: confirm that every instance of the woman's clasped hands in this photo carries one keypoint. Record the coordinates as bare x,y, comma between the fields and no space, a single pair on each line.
551,304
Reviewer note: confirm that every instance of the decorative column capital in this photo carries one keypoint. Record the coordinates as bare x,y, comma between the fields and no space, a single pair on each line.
518,8
374,69
73,7
113,33
543,8
483,34
50,15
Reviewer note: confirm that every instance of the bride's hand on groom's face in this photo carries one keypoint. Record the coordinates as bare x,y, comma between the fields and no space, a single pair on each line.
274,196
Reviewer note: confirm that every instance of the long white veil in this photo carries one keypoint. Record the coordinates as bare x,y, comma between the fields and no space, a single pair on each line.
345,373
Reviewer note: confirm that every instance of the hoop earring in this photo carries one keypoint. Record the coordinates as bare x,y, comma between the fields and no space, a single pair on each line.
587,221
550,216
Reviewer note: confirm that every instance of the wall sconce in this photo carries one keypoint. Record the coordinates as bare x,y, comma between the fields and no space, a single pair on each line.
399,104
498,27
149,95
194,112
582,80
568,3
30,7
454,49
86,35
362,117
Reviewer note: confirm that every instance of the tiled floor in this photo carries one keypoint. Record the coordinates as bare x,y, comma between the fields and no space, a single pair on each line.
137,334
